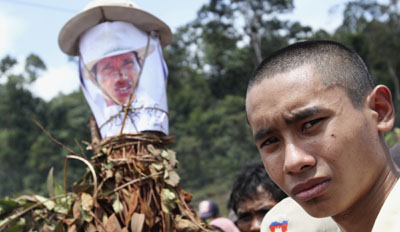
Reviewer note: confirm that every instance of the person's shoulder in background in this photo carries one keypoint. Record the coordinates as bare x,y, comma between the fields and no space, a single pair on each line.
395,153
289,216
224,225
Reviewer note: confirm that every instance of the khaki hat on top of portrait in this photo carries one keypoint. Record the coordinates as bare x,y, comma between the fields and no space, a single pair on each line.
99,11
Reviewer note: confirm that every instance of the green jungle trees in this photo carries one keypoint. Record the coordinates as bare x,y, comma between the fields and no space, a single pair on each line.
209,63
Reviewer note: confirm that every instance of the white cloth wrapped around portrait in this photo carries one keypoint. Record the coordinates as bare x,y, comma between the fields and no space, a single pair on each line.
120,64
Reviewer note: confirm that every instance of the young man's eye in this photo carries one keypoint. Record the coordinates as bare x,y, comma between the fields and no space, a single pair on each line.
244,217
127,61
107,67
262,212
270,141
310,124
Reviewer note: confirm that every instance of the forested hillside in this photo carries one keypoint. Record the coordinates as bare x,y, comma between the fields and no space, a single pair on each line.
209,63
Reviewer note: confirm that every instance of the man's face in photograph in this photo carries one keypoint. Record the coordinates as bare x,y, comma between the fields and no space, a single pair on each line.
118,75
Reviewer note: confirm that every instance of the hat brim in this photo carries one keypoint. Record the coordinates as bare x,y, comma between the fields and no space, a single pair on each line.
68,39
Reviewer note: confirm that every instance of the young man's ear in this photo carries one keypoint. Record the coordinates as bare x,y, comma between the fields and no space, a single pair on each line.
380,101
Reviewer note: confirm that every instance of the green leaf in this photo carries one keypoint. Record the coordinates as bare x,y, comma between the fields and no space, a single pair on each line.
59,227
158,166
61,209
50,183
87,216
165,174
153,150
168,198
172,158
7,206
15,228
49,204
58,189
86,202
173,178
87,205
117,206
165,154
118,176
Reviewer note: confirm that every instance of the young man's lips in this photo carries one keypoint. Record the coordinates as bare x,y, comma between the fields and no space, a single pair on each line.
123,88
311,188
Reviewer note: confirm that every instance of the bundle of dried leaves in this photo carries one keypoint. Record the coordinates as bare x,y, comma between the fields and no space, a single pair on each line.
131,185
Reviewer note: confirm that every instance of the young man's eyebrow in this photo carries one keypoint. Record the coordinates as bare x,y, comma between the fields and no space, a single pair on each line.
295,116
301,114
242,214
262,133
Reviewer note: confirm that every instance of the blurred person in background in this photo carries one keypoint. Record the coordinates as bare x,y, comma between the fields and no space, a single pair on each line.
209,212
223,225
252,196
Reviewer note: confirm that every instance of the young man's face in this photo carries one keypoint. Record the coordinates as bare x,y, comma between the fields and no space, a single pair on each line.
315,145
250,212
118,75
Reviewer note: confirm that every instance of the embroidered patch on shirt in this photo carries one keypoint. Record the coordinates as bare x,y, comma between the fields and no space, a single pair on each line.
278,226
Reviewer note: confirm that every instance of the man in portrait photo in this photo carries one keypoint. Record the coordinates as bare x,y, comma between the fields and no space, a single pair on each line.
118,75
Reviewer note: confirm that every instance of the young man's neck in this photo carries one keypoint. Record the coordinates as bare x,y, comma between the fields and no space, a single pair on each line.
361,216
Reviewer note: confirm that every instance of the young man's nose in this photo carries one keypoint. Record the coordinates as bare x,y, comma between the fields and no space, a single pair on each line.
297,159
120,74
255,225
117,75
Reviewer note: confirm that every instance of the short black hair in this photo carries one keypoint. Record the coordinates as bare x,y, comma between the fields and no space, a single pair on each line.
249,178
337,64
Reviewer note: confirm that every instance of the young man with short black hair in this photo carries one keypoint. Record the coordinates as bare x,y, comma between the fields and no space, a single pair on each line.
318,122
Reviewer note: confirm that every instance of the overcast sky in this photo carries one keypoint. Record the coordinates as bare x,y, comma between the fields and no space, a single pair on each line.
32,26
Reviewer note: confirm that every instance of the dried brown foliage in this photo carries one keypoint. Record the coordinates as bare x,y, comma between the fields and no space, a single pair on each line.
132,186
